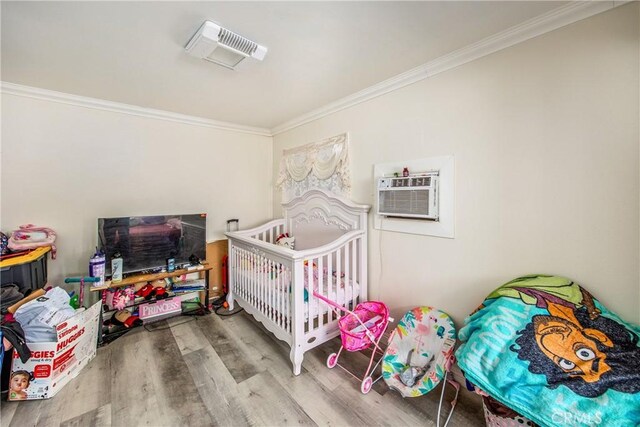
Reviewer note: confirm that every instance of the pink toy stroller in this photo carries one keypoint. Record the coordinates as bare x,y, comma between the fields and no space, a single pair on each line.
359,329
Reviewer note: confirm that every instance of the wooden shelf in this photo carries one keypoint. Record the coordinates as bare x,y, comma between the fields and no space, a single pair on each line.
132,280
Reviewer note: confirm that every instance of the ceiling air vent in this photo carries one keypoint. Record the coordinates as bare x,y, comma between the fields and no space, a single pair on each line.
235,48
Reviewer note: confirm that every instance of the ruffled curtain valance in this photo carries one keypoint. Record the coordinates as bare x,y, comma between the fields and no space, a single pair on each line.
323,164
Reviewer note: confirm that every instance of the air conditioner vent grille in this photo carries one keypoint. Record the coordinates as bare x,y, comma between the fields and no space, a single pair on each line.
237,42
423,181
400,182
410,202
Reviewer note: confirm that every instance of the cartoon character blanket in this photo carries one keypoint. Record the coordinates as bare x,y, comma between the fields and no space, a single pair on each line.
543,346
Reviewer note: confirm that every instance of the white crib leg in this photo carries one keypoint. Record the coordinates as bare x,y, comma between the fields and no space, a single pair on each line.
296,356
230,299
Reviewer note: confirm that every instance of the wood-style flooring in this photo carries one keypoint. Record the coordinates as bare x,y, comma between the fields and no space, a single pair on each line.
226,371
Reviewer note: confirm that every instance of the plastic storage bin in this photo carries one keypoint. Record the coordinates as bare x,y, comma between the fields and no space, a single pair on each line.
27,271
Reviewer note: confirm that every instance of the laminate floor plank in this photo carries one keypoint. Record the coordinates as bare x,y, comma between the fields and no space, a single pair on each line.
177,394
235,360
100,417
272,355
315,362
256,343
219,393
382,410
26,413
313,396
468,411
7,410
186,335
79,396
93,392
275,353
134,397
270,403
324,406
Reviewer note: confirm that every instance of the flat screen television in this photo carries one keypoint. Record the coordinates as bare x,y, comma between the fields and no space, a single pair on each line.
146,242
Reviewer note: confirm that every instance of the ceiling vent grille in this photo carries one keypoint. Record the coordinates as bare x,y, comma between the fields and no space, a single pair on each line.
235,48
237,42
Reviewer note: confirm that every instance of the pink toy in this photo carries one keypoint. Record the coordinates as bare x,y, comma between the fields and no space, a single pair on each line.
121,297
360,329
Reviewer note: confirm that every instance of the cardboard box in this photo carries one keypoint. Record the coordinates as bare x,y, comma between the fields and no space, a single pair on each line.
215,252
54,364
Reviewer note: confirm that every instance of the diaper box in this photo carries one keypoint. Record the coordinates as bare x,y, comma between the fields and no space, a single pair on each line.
54,364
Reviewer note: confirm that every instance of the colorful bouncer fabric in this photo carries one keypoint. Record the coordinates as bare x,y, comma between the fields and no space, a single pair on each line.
424,338
544,347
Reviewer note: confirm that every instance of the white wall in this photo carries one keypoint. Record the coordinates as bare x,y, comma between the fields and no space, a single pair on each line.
545,136
65,166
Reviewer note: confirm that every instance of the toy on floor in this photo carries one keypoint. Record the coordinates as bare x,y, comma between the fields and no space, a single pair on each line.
126,319
359,330
420,354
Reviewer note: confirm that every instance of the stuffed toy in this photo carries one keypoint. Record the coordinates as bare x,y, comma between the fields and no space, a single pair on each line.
126,319
121,297
150,290
160,293
146,292
286,240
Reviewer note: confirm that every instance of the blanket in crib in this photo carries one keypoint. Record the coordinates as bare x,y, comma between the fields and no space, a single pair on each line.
543,346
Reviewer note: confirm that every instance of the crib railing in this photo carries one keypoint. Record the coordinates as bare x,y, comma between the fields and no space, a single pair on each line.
260,280
337,275
269,232
270,283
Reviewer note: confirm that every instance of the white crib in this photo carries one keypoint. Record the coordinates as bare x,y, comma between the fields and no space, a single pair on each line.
269,281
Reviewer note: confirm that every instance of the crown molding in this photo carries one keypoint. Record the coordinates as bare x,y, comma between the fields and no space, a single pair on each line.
552,20
117,107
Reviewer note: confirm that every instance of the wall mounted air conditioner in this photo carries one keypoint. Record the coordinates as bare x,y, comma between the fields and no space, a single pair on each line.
234,48
415,196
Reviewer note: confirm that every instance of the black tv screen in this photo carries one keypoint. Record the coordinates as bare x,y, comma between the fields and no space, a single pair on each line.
146,242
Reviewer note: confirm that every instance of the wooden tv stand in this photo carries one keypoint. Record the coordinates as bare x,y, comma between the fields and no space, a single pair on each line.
202,269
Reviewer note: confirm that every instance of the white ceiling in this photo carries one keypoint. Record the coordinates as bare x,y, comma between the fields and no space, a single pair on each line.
132,52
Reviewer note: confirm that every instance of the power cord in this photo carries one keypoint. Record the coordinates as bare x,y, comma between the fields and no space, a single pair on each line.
220,304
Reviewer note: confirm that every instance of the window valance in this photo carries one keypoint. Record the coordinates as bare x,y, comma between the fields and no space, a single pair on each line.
323,164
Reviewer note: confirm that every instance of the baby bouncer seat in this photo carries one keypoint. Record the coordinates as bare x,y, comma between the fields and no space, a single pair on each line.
420,354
